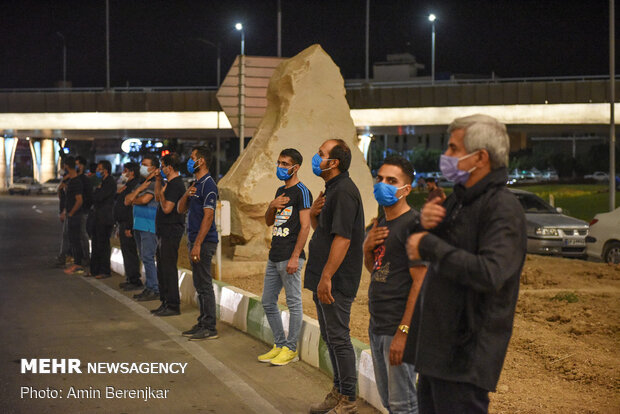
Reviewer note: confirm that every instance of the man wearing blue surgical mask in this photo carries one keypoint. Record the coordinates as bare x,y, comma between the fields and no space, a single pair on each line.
103,203
334,267
289,214
394,286
475,245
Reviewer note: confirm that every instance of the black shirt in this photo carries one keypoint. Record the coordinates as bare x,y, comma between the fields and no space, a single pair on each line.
343,215
103,201
390,280
287,225
87,192
171,224
74,188
124,214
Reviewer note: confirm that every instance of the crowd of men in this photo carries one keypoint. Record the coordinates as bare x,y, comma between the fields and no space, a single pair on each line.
444,281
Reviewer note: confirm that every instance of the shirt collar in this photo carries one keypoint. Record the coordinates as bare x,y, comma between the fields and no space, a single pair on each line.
203,179
336,179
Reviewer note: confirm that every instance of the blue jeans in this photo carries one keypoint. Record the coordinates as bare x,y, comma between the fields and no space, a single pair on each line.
147,246
276,277
395,383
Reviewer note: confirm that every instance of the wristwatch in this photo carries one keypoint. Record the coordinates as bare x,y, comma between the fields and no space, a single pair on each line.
404,329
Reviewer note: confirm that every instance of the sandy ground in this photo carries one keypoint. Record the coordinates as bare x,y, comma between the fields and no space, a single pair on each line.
563,356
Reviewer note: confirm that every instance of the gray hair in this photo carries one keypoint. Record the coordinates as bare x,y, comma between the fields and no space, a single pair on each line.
484,132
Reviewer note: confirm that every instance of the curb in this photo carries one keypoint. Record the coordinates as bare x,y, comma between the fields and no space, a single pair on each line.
244,311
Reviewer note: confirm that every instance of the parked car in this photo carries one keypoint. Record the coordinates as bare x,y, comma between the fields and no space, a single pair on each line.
549,231
50,186
25,185
550,175
597,176
604,239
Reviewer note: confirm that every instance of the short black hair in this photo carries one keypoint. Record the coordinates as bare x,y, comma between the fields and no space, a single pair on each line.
153,158
93,166
430,180
81,160
403,164
69,162
203,152
172,160
293,154
134,167
105,164
342,153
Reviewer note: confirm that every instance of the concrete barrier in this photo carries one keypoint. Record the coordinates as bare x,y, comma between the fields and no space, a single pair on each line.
244,311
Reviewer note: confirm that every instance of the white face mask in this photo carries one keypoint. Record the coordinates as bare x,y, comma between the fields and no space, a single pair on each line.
144,171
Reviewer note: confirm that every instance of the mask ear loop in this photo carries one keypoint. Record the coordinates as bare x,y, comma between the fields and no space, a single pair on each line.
400,188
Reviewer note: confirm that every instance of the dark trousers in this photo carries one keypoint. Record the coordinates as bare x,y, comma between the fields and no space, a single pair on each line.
100,256
436,396
74,227
131,261
334,326
167,272
65,245
203,283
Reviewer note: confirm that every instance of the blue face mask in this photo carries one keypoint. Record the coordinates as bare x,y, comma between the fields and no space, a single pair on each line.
282,174
449,167
190,166
316,164
99,174
163,175
385,194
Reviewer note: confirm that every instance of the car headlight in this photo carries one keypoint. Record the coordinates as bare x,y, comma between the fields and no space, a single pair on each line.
547,231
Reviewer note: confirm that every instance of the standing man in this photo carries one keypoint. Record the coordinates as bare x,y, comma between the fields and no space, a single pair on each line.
476,248
73,214
335,266
394,286
434,191
65,246
103,203
201,200
87,187
123,215
144,211
289,214
170,226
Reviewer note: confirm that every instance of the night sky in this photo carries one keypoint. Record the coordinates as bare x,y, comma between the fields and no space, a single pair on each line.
153,42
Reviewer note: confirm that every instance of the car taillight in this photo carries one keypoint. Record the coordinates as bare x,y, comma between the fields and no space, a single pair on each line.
594,221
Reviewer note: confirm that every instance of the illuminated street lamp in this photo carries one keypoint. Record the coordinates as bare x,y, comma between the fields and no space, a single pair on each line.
239,27
432,18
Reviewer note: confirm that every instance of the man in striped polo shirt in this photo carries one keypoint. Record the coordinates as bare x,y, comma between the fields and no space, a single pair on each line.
289,213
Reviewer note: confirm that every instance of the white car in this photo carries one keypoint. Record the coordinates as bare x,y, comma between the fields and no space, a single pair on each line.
597,176
604,239
50,186
25,185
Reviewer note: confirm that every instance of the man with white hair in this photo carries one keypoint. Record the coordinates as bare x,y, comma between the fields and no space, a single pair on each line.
475,245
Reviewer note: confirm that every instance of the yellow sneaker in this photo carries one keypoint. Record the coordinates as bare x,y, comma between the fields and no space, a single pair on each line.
275,351
285,356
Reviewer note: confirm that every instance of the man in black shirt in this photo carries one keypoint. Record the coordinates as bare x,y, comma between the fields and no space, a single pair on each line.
289,213
476,247
334,267
103,221
123,215
394,286
87,202
65,246
170,225
73,214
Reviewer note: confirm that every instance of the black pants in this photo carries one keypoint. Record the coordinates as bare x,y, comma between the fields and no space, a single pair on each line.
436,396
203,283
131,261
100,255
74,227
334,326
167,272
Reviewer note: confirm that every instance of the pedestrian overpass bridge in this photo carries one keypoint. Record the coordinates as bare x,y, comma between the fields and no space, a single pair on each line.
46,115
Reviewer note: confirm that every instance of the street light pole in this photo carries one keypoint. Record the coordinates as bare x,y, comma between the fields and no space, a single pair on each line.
612,100
367,40
64,59
241,126
432,18
107,43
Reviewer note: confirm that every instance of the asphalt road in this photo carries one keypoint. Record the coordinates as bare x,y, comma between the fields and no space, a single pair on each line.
47,314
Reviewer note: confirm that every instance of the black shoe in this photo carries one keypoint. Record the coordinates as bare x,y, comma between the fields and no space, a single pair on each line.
192,331
168,312
161,307
204,333
128,286
139,295
150,295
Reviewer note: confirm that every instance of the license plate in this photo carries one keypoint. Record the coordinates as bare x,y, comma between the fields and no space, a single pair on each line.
574,242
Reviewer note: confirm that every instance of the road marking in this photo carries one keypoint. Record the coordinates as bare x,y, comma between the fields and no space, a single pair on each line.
39,211
237,386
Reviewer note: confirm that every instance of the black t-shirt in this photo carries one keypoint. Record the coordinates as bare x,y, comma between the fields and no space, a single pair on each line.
287,225
87,192
390,280
343,215
172,223
124,214
74,188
